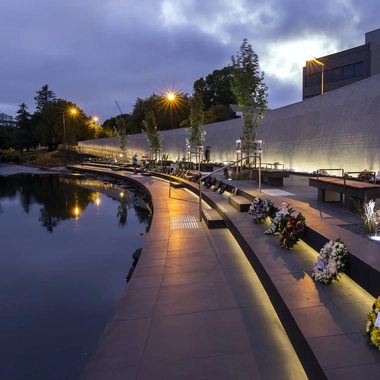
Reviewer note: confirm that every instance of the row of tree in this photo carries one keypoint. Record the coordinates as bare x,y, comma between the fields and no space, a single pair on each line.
55,121
58,121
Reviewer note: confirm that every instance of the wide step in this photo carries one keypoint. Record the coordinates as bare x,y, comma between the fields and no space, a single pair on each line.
213,219
240,203
176,185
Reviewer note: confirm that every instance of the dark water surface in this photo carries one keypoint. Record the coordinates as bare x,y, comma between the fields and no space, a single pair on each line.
65,250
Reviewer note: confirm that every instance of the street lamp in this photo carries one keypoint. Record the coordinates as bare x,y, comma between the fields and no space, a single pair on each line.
171,98
323,74
73,111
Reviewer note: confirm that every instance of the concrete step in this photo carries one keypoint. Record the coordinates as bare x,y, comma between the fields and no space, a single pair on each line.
176,184
213,219
239,202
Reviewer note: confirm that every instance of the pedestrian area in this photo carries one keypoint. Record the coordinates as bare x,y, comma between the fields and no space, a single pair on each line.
195,307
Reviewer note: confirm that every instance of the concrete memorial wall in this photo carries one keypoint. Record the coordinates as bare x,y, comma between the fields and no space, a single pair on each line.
338,130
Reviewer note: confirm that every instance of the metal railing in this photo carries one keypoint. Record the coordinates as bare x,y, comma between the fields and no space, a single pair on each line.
366,176
222,168
319,171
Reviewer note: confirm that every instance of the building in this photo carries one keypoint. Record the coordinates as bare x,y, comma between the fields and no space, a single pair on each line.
342,68
6,119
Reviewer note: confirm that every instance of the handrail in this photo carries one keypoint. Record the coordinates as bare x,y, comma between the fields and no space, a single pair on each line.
362,172
222,168
319,170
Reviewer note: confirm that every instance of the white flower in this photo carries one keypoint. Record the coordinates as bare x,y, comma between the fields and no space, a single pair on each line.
331,266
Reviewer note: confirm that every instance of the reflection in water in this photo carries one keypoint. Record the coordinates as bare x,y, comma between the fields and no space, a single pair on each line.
58,289
64,198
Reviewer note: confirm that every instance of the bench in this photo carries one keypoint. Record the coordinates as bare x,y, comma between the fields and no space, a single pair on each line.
212,218
272,177
207,167
333,189
241,203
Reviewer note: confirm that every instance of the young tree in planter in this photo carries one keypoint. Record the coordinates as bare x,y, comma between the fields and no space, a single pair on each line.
150,130
196,131
250,90
121,132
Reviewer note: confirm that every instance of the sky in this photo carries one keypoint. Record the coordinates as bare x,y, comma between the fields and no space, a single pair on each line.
99,52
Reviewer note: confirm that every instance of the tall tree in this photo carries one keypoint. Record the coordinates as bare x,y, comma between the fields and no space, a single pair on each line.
6,137
57,123
152,133
218,113
216,88
250,90
196,131
44,96
24,134
168,114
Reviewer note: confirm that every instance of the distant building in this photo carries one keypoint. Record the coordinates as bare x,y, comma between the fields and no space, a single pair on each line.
6,119
342,68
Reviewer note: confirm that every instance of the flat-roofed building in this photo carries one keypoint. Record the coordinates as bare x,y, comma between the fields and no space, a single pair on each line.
6,119
342,68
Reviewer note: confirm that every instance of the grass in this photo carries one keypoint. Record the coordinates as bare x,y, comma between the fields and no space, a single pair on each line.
39,158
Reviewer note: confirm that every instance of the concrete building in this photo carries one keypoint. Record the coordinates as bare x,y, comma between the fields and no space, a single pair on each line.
342,68
339,130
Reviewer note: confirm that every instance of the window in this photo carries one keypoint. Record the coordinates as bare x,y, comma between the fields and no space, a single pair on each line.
348,71
359,69
337,74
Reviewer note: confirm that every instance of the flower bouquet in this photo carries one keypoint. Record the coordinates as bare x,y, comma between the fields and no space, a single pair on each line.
331,262
222,189
260,209
279,221
373,325
293,231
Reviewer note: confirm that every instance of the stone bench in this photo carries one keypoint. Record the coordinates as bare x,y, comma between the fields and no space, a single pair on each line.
333,190
241,203
212,218
272,177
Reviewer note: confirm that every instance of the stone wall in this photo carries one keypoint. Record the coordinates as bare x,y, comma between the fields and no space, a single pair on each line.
338,130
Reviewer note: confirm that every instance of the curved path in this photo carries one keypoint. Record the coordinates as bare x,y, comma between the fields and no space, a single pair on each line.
194,307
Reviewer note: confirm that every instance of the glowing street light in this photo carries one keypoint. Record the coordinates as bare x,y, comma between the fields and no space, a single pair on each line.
172,99
171,96
73,111
95,119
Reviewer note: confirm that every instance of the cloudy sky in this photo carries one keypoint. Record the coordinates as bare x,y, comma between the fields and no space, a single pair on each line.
96,52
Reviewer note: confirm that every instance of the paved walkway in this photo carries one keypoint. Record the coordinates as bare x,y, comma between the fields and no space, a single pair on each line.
195,308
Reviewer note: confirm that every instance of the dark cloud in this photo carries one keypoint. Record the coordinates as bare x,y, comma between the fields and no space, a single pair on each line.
95,52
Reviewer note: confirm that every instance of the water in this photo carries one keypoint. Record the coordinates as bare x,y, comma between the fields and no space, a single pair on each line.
65,250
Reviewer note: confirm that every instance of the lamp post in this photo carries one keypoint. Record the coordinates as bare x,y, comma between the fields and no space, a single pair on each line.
171,97
73,111
323,74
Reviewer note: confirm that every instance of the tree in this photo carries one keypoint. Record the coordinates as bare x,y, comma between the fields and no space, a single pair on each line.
57,123
24,133
196,131
218,113
109,126
250,90
168,115
6,137
44,96
150,130
216,88
121,132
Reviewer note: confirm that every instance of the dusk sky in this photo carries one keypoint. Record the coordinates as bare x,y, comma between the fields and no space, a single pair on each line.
96,52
